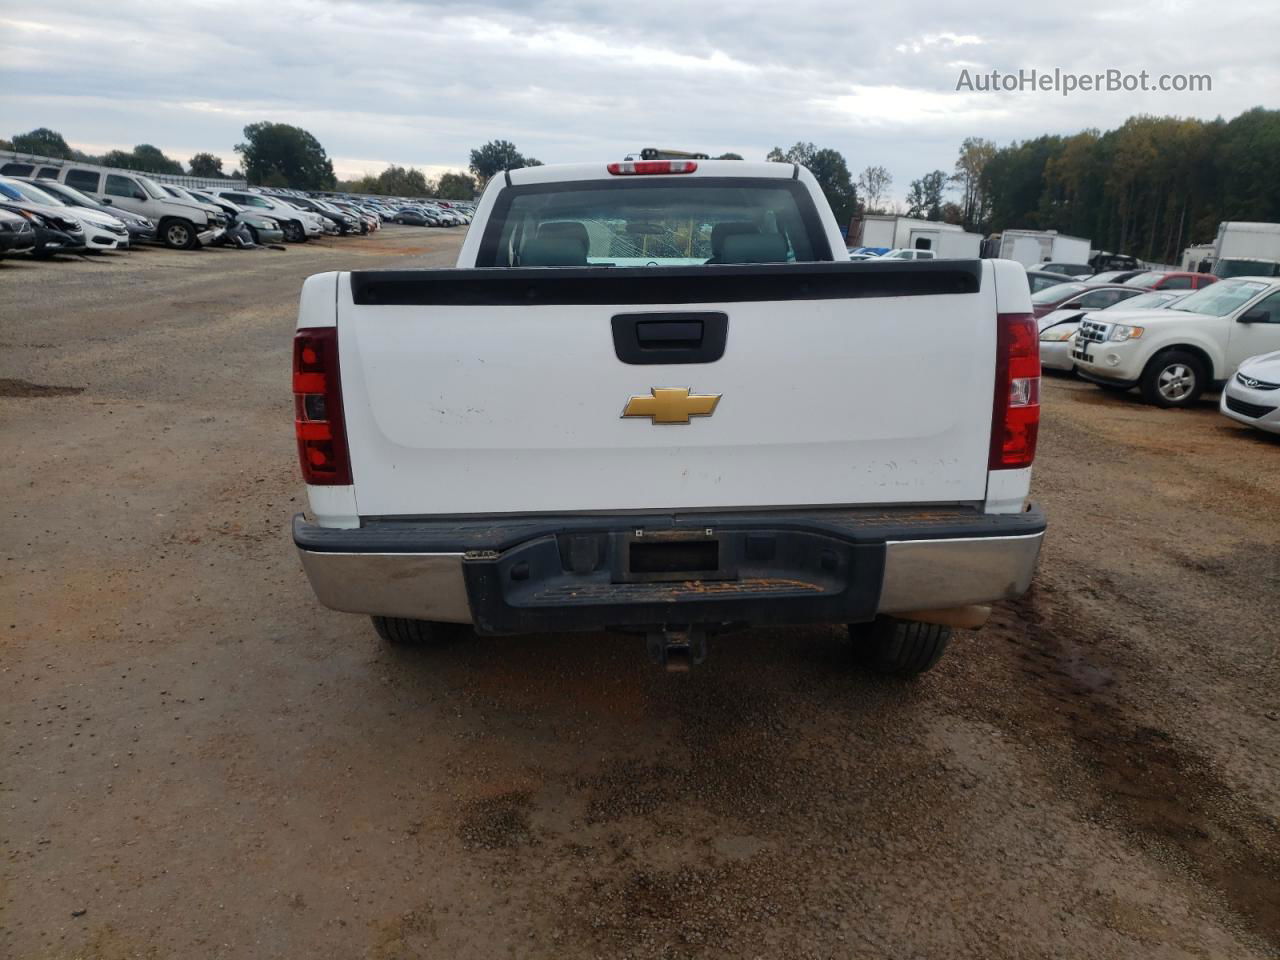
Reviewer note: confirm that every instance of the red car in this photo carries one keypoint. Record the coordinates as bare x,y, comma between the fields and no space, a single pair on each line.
1086,296
1171,280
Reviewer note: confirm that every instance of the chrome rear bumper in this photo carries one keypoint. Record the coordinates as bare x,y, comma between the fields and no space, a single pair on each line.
887,575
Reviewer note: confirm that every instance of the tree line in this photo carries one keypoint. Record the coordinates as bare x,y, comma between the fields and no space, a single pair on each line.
1150,187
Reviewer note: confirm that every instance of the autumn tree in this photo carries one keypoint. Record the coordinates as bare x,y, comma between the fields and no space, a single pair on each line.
874,182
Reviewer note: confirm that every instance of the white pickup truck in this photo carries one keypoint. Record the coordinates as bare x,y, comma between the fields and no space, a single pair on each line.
654,396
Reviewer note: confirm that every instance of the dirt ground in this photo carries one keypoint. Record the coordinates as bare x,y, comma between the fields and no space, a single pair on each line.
198,761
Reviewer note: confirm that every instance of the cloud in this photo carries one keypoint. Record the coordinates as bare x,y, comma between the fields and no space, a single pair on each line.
421,83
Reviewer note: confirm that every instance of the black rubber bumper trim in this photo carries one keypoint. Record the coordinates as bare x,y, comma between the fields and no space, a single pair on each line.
462,535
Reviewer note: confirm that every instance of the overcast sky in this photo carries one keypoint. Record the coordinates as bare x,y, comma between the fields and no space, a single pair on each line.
420,83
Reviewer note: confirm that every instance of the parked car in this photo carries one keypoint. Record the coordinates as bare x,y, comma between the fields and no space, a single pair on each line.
1115,276
102,232
180,224
16,233
902,253
1038,280
1082,295
262,229
1104,261
415,217
54,232
1171,280
1067,269
298,225
1252,396
1174,355
1058,329
344,223
140,228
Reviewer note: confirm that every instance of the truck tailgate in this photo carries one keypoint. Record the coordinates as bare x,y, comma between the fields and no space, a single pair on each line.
478,391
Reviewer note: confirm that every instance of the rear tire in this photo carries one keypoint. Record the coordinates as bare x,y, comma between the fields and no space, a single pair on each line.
901,648
400,631
293,231
1173,379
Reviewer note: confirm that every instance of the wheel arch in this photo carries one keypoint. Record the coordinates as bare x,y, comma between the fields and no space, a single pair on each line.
1196,350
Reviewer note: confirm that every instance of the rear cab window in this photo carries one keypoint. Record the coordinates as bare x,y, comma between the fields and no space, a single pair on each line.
637,223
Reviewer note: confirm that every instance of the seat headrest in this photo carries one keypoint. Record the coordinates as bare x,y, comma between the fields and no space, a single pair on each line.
553,252
722,231
754,248
565,230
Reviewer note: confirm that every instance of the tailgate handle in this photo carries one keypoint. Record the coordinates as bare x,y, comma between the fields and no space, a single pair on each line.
653,334
652,338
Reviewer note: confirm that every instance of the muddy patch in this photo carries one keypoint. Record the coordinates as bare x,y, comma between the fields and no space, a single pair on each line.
25,388
1161,792
497,823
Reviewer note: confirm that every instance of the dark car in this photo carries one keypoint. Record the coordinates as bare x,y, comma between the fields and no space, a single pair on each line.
54,233
140,228
1084,296
1067,269
1104,261
345,222
415,216
1039,279
16,233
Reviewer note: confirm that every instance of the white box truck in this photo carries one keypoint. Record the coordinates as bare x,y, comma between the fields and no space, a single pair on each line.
1033,247
1247,249
946,240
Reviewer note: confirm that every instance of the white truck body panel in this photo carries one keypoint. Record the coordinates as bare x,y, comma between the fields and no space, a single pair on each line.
1253,241
1033,247
517,409
879,230
951,244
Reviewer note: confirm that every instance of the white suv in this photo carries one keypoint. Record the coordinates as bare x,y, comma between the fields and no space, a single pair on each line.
1174,355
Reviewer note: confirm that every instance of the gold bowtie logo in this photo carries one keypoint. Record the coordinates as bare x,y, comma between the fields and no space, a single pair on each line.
671,405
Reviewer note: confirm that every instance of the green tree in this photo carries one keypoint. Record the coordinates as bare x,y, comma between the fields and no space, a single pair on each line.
729,156
456,186
496,156
829,168
403,182
205,165
43,142
290,153
874,182
151,159
924,197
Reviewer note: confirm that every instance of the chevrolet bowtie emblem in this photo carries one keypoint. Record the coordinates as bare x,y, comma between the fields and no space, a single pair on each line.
671,405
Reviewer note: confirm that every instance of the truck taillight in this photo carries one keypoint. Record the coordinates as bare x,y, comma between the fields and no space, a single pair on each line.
639,167
317,402
1015,415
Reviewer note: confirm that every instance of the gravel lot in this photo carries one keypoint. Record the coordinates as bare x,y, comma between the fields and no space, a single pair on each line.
198,761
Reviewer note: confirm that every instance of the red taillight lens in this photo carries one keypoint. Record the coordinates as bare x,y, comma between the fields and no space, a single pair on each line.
317,404
1015,414
634,167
